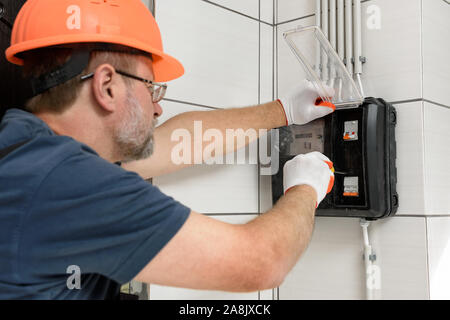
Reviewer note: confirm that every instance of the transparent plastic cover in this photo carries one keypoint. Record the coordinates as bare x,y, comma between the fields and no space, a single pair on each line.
323,66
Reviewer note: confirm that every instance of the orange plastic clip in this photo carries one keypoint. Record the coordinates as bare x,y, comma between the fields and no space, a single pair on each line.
321,103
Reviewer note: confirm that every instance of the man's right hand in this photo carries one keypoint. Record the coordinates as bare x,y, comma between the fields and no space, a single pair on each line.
313,169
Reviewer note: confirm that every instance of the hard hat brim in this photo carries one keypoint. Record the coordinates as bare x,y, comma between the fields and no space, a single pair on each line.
165,67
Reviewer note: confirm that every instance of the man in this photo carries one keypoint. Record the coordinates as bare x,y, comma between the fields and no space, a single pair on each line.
67,204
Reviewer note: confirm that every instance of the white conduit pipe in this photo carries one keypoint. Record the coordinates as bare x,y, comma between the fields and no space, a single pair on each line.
325,18
348,36
318,23
357,29
325,67
358,43
340,29
340,40
367,258
333,24
318,12
332,37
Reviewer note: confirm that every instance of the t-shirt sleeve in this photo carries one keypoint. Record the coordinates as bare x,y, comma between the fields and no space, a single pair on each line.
95,215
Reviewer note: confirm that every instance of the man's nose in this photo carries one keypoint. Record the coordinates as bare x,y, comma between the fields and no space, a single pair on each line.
158,110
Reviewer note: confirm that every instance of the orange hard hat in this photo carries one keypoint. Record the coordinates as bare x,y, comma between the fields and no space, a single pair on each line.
46,23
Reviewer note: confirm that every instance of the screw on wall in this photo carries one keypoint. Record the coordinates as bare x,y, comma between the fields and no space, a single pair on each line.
3,16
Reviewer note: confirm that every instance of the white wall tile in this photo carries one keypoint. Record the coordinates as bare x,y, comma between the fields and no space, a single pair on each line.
436,48
265,191
170,293
242,219
218,48
267,13
294,9
401,250
289,68
332,266
247,7
437,154
146,2
250,8
171,109
267,63
214,188
439,257
266,295
210,188
393,69
410,158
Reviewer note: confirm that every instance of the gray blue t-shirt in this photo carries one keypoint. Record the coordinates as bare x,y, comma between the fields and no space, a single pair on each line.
63,209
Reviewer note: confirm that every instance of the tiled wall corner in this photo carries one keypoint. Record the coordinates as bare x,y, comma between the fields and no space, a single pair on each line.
438,230
293,9
267,11
267,63
248,7
436,48
437,153
410,158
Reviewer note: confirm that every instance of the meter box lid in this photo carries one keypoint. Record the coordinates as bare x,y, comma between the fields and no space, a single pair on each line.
323,66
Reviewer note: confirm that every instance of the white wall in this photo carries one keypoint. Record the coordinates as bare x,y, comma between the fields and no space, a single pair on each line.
228,57
405,66
234,55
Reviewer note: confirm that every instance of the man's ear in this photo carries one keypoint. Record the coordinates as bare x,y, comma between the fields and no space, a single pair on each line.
106,87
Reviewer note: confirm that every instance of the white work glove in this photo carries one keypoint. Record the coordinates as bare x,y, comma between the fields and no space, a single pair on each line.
300,104
313,169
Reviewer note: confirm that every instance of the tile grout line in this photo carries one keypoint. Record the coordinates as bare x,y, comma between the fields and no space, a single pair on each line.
237,12
276,84
310,15
424,176
231,214
436,104
191,104
274,20
292,20
428,258
276,292
419,100
394,216
259,102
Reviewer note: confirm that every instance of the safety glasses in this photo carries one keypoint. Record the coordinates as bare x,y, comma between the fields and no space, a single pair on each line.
158,90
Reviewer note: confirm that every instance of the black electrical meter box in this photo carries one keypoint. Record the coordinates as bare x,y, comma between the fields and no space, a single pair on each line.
361,144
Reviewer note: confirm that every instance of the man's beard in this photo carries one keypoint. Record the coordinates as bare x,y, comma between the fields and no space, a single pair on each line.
134,136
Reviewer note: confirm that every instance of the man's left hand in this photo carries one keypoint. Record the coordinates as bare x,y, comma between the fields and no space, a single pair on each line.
303,104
